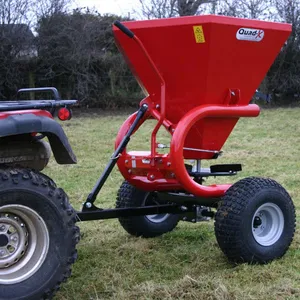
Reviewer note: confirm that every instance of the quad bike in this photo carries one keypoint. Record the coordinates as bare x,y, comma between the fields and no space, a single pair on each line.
199,75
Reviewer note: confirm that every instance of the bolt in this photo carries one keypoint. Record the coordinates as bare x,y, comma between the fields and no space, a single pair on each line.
2,253
172,175
173,130
194,220
2,228
16,218
183,208
152,177
157,106
22,225
126,161
168,164
145,106
129,171
184,218
88,205
14,238
161,146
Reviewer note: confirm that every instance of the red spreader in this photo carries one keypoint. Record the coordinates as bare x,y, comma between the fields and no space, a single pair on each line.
199,74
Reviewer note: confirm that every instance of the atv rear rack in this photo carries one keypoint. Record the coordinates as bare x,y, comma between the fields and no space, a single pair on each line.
39,104
51,104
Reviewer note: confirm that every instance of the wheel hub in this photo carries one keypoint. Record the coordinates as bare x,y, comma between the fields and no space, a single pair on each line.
24,242
257,222
267,224
3,240
13,239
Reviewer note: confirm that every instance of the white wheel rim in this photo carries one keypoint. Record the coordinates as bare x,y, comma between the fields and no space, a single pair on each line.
157,218
267,224
24,243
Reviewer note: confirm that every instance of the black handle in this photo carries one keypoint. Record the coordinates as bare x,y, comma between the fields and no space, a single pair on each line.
124,29
43,89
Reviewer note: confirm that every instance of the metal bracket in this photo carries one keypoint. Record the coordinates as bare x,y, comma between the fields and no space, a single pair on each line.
88,205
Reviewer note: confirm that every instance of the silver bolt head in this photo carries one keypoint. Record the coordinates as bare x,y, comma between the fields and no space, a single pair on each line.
14,238
88,205
152,176
2,253
2,228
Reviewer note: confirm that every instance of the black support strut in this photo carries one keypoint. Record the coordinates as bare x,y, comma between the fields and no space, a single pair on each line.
88,205
189,213
99,214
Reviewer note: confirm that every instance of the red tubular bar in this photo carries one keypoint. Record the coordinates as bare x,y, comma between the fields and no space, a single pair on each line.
162,96
160,121
178,139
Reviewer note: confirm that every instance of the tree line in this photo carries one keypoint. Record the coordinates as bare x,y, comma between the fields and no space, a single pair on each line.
46,43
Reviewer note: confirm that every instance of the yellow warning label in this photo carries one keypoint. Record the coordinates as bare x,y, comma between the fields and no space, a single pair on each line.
199,34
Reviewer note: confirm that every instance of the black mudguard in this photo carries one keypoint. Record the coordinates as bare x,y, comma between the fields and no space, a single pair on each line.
30,123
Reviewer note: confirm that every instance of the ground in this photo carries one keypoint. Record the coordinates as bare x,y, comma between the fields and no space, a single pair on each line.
186,263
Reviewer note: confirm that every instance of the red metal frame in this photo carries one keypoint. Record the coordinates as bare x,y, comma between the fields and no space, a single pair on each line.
196,90
181,132
160,116
167,171
37,112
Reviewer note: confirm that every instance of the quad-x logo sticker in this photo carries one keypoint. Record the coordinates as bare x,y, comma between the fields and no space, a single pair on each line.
250,34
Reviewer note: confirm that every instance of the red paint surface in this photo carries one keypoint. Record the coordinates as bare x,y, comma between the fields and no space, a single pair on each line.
37,112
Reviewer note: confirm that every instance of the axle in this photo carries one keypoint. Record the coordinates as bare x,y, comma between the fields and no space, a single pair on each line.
190,213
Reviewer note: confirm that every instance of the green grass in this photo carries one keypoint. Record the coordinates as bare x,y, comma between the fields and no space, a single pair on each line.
186,263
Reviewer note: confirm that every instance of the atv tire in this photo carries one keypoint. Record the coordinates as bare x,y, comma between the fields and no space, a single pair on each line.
38,235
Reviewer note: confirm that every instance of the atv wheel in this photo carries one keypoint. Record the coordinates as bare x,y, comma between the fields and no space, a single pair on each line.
145,226
38,235
255,221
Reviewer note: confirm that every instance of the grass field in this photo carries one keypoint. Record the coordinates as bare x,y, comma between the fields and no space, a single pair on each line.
186,263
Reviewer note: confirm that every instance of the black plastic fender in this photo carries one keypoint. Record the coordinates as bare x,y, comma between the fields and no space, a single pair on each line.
30,123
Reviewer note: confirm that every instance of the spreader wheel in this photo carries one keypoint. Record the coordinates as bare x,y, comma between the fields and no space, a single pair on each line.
255,221
145,226
38,235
